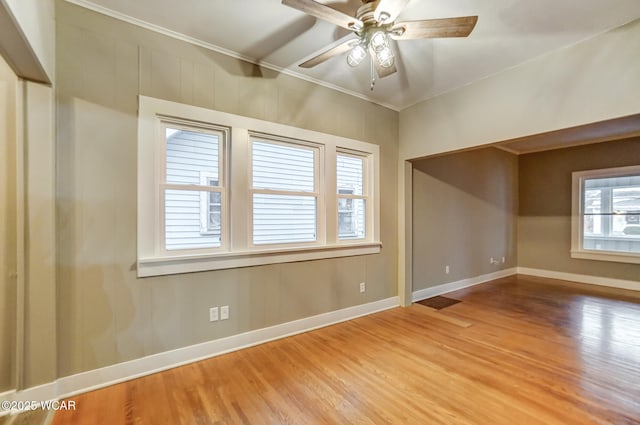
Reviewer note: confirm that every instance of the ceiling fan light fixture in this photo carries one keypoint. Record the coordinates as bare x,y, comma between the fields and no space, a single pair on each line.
385,58
379,41
356,55
374,23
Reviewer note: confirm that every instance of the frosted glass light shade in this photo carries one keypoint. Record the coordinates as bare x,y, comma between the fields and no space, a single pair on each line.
385,58
379,41
356,55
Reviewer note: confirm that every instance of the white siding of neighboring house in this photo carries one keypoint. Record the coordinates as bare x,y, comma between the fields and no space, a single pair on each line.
280,218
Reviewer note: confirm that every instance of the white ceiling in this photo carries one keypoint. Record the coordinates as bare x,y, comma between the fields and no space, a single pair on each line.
508,33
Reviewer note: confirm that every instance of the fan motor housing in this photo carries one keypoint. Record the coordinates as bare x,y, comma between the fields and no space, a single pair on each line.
365,12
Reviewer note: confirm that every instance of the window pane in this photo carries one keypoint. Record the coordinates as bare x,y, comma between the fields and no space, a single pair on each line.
351,211
280,167
191,157
592,211
212,211
349,174
612,214
183,219
626,209
351,218
283,218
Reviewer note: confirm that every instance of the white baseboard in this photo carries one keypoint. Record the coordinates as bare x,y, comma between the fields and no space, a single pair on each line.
582,278
98,378
460,284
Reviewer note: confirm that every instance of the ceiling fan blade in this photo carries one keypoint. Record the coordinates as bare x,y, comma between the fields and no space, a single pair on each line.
329,53
434,28
392,8
325,13
381,70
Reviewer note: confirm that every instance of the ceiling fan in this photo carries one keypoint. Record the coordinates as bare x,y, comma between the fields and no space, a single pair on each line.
374,24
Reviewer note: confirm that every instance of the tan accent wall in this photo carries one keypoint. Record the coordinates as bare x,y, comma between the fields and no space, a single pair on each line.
464,212
8,84
105,314
544,222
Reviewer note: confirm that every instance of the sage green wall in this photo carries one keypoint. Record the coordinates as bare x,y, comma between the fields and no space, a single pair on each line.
105,314
544,222
8,266
464,212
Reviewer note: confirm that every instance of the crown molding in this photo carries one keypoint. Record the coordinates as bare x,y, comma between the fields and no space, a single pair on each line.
197,42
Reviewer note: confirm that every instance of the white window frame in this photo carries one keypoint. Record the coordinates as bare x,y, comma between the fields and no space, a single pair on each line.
318,188
577,216
238,249
164,122
366,187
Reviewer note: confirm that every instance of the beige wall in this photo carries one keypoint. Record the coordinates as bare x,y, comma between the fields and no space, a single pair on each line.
38,362
27,233
105,314
464,212
591,81
8,84
544,222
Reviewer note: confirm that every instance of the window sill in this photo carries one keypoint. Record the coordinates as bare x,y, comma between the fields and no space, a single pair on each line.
618,257
159,266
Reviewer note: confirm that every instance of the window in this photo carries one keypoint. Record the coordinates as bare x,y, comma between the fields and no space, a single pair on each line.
352,199
218,190
606,214
284,192
191,189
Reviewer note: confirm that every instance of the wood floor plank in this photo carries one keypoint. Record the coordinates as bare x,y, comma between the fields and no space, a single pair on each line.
539,352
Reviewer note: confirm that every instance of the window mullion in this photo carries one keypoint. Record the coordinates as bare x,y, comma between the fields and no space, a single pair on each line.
284,192
606,201
172,186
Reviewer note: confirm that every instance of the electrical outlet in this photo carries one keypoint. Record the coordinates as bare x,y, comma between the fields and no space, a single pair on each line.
446,269
224,312
503,260
213,314
363,287
491,260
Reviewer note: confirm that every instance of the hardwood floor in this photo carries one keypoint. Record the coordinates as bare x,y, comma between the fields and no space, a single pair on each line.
537,353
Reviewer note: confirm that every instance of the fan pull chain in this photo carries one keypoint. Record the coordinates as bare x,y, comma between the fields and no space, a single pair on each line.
373,74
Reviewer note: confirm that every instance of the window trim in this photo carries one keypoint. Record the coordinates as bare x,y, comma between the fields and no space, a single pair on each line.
577,222
238,251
